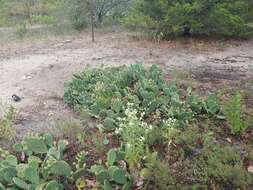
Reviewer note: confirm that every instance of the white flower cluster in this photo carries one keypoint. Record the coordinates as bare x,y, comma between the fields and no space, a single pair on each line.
146,126
142,115
119,130
130,112
131,120
99,87
170,122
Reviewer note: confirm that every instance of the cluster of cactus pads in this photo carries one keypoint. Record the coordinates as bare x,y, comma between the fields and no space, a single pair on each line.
40,166
114,174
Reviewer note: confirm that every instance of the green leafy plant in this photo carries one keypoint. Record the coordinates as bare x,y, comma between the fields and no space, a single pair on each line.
113,174
211,105
233,110
41,167
133,132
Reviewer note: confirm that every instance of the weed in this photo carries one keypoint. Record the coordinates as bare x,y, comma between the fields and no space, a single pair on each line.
7,116
134,133
233,110
22,30
98,141
68,128
225,165
157,173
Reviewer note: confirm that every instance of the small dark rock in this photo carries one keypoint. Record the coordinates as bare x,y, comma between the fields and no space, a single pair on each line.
15,98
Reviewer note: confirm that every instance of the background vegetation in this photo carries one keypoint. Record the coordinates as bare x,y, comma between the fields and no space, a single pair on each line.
172,18
162,18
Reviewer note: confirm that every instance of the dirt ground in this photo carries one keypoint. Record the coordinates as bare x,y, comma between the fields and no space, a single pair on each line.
37,71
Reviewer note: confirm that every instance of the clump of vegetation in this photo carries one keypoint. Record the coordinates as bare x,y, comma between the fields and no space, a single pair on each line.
40,164
78,14
234,110
7,116
204,162
106,93
172,18
157,173
163,130
114,174
226,166
22,30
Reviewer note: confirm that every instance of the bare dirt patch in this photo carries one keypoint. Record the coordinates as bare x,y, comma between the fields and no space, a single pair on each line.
37,71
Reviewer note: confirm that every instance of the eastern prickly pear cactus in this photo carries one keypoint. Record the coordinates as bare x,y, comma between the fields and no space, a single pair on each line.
42,166
113,176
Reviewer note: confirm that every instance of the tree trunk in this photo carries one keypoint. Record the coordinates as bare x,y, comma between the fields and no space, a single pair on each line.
187,31
100,19
92,27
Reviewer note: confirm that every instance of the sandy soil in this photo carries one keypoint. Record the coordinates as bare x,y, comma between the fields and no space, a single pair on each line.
37,71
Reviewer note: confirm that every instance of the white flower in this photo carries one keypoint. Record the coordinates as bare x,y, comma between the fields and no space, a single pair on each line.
142,114
128,145
142,139
150,127
117,131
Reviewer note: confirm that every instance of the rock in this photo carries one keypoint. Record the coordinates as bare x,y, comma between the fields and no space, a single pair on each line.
25,77
50,114
15,98
250,169
68,41
58,45
229,140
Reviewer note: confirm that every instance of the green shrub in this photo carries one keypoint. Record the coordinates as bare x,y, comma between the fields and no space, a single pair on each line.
225,165
78,14
209,163
233,110
174,17
157,173
79,23
22,30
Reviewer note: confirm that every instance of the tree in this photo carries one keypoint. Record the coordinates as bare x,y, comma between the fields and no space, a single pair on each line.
103,7
99,8
96,10
211,17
